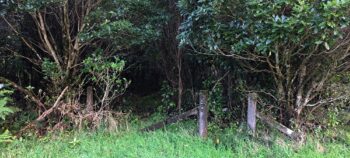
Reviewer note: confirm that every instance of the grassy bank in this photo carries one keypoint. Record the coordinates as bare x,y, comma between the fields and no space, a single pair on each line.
178,140
133,144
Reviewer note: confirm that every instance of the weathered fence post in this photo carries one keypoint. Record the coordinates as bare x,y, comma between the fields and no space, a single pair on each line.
251,114
203,114
89,99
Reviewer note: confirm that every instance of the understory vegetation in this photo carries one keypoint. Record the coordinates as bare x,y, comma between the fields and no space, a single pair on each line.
177,140
83,78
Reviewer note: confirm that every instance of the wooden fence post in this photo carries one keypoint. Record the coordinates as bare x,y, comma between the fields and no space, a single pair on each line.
203,114
89,99
251,114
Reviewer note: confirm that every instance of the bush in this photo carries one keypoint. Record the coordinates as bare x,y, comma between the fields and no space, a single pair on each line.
5,111
167,94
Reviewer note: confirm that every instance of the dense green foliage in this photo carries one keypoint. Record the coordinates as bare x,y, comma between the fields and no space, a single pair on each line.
4,99
92,65
76,44
4,111
296,45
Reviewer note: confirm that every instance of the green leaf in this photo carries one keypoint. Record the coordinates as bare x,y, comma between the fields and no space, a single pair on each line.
6,137
318,42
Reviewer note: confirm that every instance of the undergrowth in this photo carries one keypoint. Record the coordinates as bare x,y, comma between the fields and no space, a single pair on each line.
177,140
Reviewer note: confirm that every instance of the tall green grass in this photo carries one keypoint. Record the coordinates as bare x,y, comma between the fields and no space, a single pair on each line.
134,145
175,141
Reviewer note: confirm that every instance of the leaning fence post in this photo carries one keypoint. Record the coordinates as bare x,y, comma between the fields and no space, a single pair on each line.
203,114
251,115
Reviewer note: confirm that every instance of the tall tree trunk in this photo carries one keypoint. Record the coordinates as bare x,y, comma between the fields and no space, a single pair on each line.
172,55
179,80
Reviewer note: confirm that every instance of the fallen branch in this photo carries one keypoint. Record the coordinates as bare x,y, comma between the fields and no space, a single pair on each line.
274,124
47,112
171,120
43,115
31,96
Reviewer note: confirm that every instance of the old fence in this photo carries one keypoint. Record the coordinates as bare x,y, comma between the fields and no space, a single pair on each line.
202,114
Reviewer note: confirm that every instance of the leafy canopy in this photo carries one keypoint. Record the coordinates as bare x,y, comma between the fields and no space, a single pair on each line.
258,25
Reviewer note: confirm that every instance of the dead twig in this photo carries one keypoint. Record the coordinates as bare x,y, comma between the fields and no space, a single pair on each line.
47,112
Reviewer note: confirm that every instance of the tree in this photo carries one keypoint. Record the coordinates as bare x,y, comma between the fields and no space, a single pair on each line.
171,55
298,44
64,35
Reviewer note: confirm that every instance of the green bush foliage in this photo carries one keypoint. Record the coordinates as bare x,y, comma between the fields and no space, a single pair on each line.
5,111
4,99
167,102
297,45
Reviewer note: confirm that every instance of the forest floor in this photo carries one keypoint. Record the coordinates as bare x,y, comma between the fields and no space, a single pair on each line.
175,141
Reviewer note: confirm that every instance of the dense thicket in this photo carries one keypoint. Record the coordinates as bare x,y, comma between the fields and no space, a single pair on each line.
297,45
74,63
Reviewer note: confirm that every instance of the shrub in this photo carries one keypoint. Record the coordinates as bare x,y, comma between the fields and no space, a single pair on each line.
5,111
